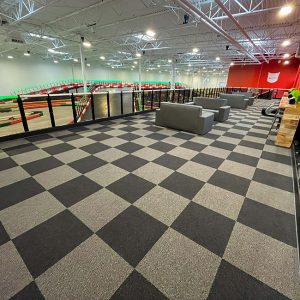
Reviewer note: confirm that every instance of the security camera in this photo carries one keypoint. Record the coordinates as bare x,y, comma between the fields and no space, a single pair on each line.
186,19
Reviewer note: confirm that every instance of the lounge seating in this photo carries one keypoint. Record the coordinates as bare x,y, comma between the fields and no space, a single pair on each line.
248,95
189,118
214,105
235,101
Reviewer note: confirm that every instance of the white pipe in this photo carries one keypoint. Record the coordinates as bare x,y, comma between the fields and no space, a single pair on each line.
173,76
140,74
83,67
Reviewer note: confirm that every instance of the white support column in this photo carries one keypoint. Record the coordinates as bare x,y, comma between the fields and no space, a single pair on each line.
83,68
140,74
173,76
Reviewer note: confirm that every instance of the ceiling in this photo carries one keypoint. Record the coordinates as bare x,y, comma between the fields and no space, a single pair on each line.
239,31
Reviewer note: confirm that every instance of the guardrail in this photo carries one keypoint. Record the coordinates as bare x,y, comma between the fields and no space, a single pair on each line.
38,113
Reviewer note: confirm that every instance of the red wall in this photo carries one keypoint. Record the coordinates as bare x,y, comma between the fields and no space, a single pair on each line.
297,81
256,75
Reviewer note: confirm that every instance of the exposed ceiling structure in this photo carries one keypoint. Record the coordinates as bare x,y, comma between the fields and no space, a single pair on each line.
220,31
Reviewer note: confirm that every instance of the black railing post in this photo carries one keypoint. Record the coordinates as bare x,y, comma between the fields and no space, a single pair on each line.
74,108
108,104
167,97
173,96
183,99
152,96
50,111
93,106
143,100
22,113
122,108
159,100
132,102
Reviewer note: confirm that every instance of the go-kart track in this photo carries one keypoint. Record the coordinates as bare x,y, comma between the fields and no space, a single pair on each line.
37,112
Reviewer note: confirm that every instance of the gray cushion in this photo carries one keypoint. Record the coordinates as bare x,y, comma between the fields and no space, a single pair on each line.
184,117
235,101
210,103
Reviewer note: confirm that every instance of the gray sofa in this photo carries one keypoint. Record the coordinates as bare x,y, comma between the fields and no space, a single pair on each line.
235,101
248,95
217,106
183,117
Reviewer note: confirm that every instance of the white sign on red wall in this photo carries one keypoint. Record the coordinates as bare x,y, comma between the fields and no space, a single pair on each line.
273,77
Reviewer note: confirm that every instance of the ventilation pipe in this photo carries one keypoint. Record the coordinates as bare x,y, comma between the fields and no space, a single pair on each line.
189,7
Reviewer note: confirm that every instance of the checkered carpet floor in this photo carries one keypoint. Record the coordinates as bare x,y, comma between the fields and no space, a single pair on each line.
128,210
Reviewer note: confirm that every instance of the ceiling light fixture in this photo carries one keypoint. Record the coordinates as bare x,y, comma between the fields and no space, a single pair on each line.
10,57
55,61
189,65
88,65
57,52
45,37
169,60
217,58
102,57
150,32
195,50
286,62
135,62
158,66
285,10
138,54
27,53
75,59
232,63
286,55
286,43
85,43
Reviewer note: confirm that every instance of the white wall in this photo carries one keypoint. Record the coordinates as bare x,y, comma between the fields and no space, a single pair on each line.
24,72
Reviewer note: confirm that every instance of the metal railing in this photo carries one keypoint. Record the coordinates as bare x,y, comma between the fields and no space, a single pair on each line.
30,114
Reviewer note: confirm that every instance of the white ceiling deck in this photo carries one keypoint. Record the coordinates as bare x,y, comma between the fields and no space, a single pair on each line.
116,29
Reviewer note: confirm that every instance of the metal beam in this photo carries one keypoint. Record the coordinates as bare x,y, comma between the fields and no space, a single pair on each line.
189,7
241,29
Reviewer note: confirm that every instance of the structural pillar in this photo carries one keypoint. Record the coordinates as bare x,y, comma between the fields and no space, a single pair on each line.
140,74
83,69
173,76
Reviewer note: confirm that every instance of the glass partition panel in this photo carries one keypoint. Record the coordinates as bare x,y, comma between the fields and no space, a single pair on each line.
37,112
138,101
164,96
100,104
147,99
156,98
115,104
83,107
127,102
62,108
10,118
175,96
